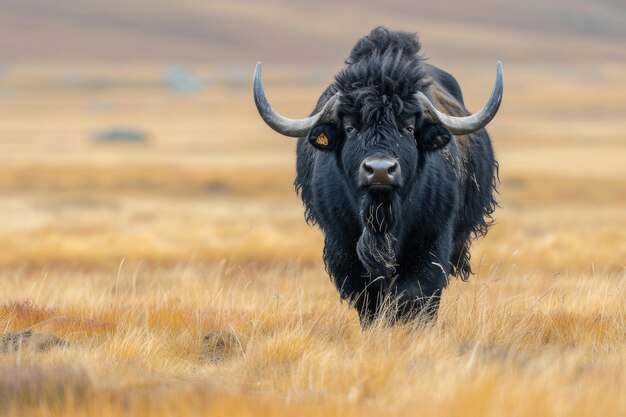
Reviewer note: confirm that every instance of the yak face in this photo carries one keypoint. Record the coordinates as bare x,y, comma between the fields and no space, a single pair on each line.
380,140
381,153
378,132
379,160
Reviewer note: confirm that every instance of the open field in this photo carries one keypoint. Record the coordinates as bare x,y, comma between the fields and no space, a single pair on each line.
133,253
279,343
176,276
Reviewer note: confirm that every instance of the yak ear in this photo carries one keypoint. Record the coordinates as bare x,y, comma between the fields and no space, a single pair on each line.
433,136
324,136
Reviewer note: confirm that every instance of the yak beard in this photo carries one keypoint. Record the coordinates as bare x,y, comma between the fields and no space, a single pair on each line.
376,247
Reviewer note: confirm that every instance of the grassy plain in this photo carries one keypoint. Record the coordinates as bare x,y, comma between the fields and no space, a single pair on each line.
184,278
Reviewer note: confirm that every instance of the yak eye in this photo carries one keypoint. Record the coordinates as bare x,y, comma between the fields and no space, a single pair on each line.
409,129
349,129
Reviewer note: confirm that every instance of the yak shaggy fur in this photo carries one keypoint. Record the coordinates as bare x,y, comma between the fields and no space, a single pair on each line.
390,253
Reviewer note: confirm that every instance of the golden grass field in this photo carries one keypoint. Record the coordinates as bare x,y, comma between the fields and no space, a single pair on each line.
178,277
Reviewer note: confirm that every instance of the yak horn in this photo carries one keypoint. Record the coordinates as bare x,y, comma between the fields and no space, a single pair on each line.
468,124
289,127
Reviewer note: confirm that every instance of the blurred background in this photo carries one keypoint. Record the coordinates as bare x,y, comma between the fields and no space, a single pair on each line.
128,131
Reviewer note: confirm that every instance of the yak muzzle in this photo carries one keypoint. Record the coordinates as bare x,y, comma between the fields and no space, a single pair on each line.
379,173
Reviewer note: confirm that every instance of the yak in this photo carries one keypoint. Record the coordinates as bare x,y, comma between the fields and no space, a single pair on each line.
397,174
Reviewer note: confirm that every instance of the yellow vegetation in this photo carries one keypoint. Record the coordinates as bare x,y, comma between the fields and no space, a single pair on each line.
186,282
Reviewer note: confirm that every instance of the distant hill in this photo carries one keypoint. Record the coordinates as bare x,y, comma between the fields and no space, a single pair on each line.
304,32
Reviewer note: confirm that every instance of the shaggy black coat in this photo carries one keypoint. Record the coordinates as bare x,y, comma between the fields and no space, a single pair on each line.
392,252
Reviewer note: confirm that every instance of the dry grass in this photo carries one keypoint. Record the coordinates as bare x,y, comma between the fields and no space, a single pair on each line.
505,343
186,282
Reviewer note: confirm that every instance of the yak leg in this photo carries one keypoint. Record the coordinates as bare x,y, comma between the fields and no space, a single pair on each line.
422,280
352,281
370,303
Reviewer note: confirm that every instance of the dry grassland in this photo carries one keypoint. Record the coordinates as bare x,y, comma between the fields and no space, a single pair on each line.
183,278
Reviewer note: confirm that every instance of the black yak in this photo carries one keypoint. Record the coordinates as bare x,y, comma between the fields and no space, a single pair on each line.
398,175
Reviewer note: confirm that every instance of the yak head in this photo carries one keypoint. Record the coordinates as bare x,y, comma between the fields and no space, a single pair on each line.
377,119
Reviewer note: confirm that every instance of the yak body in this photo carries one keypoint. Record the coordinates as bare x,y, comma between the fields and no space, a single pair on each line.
396,248
396,172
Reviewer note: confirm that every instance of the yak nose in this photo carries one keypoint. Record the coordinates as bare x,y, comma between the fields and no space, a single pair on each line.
379,172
